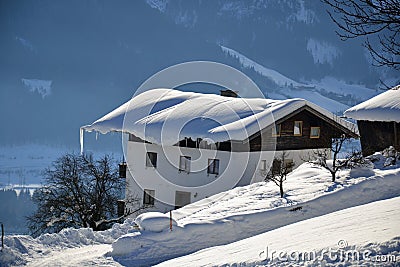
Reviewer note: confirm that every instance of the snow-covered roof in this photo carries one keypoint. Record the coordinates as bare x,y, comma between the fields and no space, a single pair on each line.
383,107
166,116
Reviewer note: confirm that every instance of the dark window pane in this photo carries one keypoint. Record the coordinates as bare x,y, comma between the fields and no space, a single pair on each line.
151,159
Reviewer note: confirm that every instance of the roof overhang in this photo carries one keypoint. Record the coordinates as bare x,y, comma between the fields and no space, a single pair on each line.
166,116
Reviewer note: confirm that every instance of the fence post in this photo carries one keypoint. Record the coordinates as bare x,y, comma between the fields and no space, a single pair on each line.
2,236
170,220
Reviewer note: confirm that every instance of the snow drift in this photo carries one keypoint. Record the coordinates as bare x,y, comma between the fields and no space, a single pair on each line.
154,221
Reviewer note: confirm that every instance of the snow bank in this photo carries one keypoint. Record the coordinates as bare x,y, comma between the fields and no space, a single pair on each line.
154,221
383,107
244,212
20,248
166,116
369,228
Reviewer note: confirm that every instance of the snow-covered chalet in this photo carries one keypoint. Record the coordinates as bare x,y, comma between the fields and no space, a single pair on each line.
183,146
378,121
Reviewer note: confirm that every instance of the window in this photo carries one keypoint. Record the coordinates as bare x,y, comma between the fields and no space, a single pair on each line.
298,128
315,132
184,164
263,165
148,197
289,165
213,166
276,167
182,198
121,208
277,130
122,170
151,159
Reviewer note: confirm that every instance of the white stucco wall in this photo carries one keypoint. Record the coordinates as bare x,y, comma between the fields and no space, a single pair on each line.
236,168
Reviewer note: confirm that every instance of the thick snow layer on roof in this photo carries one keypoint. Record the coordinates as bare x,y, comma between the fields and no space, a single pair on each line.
166,116
383,107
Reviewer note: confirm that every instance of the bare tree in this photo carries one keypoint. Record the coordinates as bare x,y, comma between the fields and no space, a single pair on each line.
374,19
281,167
351,160
78,192
324,155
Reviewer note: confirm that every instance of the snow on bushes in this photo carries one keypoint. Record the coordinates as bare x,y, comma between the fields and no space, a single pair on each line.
154,221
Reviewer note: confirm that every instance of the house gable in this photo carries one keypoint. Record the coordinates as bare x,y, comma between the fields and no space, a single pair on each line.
287,139
266,140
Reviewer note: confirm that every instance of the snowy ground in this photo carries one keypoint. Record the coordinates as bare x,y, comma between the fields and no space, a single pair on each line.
360,235
70,247
253,211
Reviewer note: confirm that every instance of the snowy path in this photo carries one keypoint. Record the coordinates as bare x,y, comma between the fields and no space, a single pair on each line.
83,256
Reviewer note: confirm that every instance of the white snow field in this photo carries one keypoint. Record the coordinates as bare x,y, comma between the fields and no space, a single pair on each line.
361,236
42,87
235,215
250,210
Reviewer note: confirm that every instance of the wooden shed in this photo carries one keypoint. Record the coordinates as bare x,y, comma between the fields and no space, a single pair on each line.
378,121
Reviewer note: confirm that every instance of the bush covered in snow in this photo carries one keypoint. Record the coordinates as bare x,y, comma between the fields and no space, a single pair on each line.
154,221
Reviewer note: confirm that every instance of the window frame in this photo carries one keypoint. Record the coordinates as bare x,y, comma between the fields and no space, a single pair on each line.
215,166
151,162
300,128
263,165
276,133
149,197
187,162
311,132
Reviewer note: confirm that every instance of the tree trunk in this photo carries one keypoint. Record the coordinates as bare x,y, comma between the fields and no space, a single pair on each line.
333,176
281,188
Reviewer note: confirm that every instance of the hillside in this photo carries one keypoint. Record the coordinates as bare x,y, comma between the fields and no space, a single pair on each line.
251,210
58,57
230,216
361,235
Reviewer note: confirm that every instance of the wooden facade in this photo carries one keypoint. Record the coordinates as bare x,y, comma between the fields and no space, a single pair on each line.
378,135
287,139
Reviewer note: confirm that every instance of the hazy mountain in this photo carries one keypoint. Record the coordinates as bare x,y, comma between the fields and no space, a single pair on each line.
64,64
